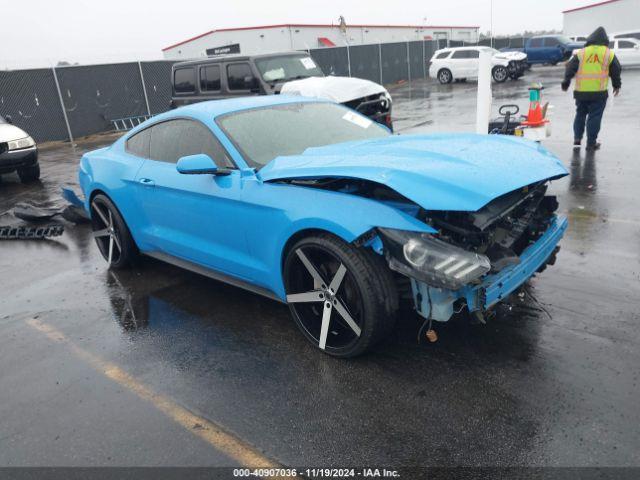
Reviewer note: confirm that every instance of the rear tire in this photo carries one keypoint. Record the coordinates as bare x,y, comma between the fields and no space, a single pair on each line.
445,76
349,304
112,234
29,174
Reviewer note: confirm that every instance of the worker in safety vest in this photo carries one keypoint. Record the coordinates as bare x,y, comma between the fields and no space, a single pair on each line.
592,66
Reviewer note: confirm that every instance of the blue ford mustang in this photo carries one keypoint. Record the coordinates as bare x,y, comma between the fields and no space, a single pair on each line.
312,204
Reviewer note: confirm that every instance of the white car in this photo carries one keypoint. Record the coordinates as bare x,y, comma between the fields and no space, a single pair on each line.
627,50
18,152
461,63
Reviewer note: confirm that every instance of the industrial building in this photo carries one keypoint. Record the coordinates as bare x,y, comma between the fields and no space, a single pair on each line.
277,38
614,15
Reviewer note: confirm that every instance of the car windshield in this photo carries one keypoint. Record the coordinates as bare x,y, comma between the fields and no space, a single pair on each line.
285,68
2,120
563,39
263,134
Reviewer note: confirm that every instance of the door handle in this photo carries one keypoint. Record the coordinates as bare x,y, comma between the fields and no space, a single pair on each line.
147,182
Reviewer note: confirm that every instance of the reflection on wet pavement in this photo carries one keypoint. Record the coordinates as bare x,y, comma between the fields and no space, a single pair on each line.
552,379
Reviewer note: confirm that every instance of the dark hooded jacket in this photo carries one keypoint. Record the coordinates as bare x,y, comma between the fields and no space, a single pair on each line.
598,37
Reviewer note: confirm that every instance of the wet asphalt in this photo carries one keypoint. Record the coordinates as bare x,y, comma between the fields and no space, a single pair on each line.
551,380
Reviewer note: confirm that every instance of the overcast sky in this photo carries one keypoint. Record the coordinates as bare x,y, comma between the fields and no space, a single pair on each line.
42,32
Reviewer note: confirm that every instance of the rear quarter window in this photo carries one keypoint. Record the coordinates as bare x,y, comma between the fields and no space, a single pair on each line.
138,144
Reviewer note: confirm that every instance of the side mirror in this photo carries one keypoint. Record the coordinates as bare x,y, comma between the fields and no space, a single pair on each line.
199,164
8,119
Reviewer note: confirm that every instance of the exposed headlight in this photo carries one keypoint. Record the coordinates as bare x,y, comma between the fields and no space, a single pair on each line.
425,258
21,143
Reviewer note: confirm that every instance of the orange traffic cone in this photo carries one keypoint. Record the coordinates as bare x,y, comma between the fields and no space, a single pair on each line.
535,118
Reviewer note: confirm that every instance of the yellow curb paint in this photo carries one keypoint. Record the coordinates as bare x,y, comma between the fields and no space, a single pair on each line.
245,454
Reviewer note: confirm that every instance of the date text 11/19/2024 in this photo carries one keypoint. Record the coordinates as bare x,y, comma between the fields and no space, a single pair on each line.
317,472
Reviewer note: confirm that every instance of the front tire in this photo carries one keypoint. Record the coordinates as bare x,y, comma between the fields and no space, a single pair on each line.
112,234
29,174
445,76
499,74
342,297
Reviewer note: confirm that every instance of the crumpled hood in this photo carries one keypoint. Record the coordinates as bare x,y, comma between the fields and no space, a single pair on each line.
11,132
336,89
460,172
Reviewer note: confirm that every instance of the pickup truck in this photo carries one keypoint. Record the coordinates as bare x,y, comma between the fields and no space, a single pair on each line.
547,49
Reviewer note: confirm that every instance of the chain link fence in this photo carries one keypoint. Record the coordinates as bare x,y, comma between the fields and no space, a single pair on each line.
157,83
68,102
94,95
31,99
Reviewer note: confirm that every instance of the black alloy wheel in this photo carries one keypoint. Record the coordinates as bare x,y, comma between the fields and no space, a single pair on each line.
111,233
341,297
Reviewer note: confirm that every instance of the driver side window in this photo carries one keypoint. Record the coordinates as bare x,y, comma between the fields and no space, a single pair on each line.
174,139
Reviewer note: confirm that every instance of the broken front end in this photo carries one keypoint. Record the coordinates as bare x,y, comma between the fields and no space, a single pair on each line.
478,258
377,107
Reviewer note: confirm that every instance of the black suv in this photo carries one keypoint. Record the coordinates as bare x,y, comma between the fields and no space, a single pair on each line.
242,75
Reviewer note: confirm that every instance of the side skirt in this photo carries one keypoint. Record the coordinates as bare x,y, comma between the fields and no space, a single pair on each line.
221,277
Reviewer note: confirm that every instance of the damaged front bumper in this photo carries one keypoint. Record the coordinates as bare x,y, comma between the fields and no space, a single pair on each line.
438,303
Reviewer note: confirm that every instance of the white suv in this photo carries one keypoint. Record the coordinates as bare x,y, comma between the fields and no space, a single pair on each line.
627,50
461,63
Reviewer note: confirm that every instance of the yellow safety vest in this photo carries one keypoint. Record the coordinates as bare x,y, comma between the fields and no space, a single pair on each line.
593,72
